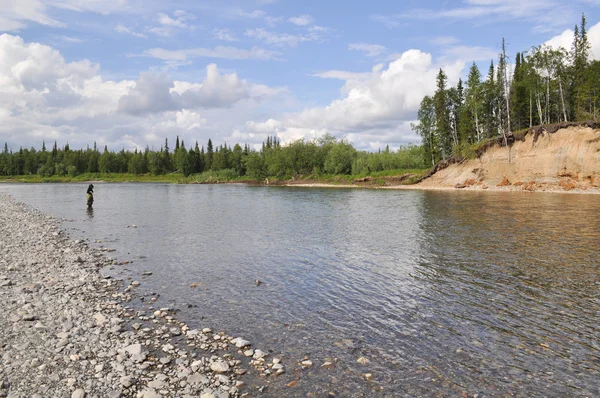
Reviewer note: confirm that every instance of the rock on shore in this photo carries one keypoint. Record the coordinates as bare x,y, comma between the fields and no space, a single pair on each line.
66,331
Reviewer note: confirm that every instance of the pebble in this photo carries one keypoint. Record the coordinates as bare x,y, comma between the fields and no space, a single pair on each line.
79,393
219,367
86,340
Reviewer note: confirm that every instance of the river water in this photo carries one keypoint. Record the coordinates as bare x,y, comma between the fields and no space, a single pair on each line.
444,293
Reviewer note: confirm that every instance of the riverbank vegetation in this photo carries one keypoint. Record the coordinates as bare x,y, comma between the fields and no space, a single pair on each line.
325,159
542,86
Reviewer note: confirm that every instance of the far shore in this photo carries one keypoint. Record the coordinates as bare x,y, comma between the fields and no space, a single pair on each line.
420,187
386,183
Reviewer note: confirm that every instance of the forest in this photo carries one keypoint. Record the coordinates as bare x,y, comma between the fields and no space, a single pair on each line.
543,86
326,155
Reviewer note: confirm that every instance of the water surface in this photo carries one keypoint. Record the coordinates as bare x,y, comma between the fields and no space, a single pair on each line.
444,293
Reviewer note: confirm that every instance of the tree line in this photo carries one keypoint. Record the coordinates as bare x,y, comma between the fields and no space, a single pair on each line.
326,155
546,86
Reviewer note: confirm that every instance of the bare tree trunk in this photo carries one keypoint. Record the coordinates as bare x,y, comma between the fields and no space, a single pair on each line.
539,106
530,111
506,88
548,99
562,98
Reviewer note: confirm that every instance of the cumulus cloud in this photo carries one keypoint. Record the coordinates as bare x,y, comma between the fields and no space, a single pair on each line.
381,105
44,97
565,40
157,93
150,94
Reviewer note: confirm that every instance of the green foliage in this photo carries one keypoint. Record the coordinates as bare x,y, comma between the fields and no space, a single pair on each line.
339,158
548,85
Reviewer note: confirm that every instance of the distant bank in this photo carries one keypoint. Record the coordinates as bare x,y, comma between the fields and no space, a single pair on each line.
562,157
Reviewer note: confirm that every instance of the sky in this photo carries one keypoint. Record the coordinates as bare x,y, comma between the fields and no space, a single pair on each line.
130,73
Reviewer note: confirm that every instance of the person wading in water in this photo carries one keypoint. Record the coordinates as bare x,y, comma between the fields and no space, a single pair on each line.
90,196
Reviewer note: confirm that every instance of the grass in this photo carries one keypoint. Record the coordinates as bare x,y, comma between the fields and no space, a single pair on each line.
209,177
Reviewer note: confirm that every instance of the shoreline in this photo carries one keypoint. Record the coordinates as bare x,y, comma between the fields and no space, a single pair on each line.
552,188
419,187
69,331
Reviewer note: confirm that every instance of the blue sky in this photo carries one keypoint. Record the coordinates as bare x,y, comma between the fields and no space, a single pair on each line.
128,73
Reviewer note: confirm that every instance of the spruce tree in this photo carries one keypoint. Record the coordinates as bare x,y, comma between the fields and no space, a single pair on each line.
442,116
209,155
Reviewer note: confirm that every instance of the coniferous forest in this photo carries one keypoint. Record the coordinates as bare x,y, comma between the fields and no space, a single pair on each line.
542,86
327,155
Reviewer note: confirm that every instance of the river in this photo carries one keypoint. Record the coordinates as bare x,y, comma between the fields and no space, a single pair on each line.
436,293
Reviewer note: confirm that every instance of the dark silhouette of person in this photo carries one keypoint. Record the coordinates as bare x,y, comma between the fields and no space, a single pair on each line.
90,195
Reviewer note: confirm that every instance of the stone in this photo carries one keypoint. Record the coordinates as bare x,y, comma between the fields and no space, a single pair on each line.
134,349
79,393
126,381
240,343
258,354
100,319
197,378
219,367
249,353
363,360
307,364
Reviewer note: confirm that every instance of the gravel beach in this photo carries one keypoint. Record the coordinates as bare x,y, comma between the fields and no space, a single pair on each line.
68,331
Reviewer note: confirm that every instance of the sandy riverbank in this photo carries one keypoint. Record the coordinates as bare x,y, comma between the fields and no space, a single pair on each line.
420,187
67,331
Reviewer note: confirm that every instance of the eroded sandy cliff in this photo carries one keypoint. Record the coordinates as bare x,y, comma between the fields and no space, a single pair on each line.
566,160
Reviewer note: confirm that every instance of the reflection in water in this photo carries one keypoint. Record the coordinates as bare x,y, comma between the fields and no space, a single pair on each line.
445,293
90,212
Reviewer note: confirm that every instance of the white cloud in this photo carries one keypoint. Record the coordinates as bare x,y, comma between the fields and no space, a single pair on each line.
285,39
224,35
370,50
16,12
545,14
302,20
155,93
8,25
167,25
217,52
126,30
267,127
151,94
380,106
44,97
565,40
444,41
342,75
468,53
97,6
